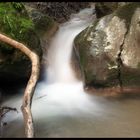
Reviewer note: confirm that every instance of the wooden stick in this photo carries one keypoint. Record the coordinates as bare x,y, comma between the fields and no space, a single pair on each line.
29,91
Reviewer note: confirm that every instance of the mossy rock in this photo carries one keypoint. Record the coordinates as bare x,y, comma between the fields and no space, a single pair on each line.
105,8
93,60
42,22
100,44
130,76
15,23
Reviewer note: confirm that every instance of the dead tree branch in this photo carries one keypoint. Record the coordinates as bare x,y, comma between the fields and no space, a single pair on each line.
29,91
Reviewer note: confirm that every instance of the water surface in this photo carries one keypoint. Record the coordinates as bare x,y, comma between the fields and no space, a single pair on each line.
60,106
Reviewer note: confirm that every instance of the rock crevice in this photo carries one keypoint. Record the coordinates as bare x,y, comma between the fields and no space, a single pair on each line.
120,63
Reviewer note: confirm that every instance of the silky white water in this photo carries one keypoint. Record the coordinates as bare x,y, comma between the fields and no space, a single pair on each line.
60,93
61,85
60,106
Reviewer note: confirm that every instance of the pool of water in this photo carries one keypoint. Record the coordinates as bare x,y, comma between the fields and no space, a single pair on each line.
61,108
102,117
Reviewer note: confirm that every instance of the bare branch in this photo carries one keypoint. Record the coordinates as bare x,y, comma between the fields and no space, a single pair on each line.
29,91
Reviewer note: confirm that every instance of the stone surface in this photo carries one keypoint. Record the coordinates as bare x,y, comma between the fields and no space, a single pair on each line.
60,11
131,53
106,8
109,49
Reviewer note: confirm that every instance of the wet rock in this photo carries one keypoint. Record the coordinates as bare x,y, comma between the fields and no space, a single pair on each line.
109,49
106,8
45,26
42,22
60,11
98,48
131,52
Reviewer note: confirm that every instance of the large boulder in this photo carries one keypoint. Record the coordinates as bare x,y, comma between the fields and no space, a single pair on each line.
109,49
130,56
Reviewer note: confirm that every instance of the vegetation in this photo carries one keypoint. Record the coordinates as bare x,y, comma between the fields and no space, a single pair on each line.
14,22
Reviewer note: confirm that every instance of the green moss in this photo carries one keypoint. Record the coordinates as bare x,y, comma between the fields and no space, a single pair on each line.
18,6
15,23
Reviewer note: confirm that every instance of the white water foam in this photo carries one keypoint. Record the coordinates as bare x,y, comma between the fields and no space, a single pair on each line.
60,93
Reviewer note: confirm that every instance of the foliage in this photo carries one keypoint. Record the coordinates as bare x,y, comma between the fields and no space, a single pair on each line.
18,6
14,21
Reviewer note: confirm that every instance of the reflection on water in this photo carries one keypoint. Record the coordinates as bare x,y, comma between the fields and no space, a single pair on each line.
62,109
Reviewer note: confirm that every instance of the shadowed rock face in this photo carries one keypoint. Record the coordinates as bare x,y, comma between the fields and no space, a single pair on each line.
14,65
106,8
109,49
131,52
60,11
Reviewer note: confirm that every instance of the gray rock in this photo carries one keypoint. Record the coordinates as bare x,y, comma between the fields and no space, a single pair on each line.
106,8
131,53
109,48
59,11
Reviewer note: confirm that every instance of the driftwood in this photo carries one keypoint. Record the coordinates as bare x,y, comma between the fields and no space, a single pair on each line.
28,94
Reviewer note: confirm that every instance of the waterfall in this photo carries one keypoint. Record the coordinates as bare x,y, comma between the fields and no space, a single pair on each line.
61,93
61,86
59,54
61,108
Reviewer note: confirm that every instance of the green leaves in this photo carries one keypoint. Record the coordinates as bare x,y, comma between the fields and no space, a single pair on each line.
18,6
12,22
25,25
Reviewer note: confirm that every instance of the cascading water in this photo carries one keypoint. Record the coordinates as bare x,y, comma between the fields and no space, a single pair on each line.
61,92
59,55
61,81
60,106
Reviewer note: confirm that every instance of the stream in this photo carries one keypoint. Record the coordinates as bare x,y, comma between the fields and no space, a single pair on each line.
61,108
